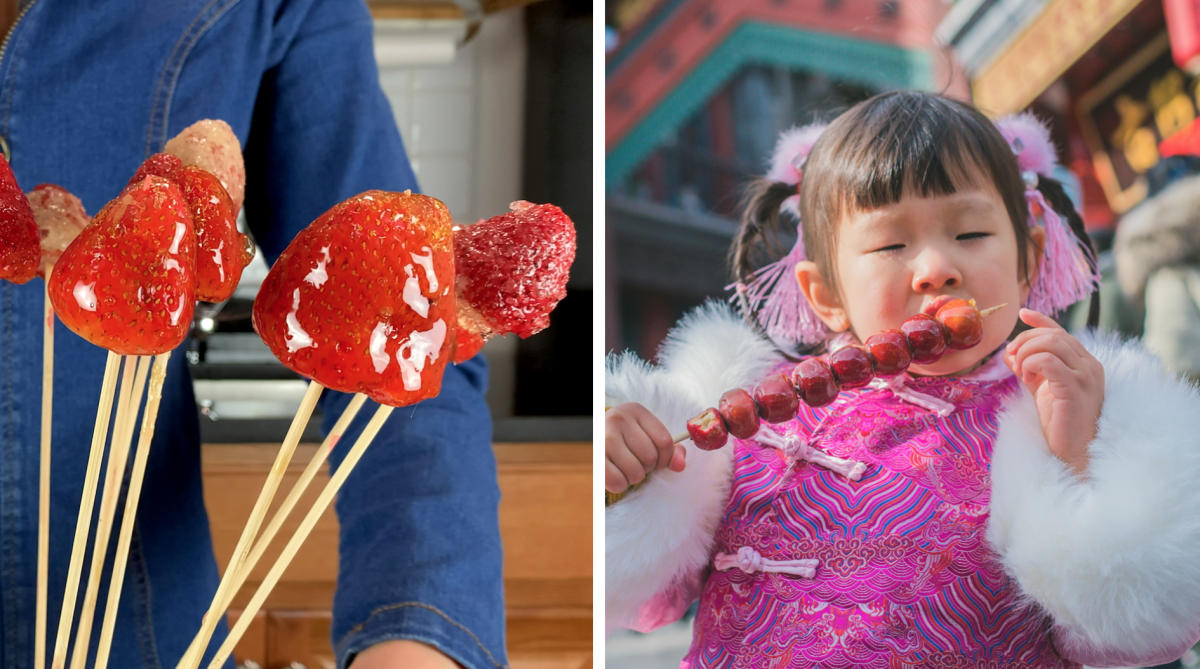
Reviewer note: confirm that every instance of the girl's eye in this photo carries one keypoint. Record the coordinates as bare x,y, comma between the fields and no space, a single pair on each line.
893,247
972,235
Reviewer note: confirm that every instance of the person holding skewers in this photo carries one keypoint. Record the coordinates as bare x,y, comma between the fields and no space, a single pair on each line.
1025,501
91,93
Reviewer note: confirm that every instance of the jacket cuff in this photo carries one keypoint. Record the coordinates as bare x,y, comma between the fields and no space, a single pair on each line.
1109,557
418,622
659,537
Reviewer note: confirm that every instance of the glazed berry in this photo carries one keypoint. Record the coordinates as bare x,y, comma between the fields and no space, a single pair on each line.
889,351
926,338
362,299
739,412
707,430
851,367
776,399
938,302
127,282
814,382
963,323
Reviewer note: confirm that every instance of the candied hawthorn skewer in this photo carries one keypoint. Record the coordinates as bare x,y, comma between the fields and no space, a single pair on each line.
922,339
510,272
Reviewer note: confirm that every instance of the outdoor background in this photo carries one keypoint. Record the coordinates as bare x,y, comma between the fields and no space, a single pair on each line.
697,91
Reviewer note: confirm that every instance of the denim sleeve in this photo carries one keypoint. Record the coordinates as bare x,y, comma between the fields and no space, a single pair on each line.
420,554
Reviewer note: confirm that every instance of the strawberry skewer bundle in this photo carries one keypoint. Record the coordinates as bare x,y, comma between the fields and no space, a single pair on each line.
367,300
945,324
125,281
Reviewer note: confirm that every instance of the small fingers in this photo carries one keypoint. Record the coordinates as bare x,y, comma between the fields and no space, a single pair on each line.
614,480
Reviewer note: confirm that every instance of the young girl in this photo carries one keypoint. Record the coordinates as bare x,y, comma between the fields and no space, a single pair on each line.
1025,503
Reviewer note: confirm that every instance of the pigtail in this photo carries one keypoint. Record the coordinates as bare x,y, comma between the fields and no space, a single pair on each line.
760,226
1056,197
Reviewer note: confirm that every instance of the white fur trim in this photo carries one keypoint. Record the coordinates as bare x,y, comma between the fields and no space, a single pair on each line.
663,531
1112,559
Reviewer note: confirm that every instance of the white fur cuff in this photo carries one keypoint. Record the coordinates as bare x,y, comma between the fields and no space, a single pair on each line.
1115,559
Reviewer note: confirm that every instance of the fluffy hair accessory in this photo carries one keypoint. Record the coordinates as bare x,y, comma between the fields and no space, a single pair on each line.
773,294
1066,275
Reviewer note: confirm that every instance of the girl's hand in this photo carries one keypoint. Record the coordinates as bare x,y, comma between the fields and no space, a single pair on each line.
635,444
1067,384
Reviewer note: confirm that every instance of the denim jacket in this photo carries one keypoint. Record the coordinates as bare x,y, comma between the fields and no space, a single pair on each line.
87,91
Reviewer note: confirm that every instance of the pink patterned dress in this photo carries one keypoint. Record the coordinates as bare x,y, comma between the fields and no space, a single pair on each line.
905,575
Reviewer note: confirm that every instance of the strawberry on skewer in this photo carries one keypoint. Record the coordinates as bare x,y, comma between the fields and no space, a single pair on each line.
125,283
508,283
20,248
361,301
59,217
212,146
511,271
222,251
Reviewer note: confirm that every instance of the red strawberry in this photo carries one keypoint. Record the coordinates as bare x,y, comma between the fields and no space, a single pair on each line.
212,146
127,282
60,218
361,301
222,252
20,245
162,165
513,269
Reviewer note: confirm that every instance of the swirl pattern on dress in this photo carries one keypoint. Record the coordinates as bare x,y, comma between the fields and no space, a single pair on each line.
906,577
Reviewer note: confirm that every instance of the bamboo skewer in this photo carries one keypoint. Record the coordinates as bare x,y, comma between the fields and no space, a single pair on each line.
289,503
132,385
149,417
88,500
293,545
43,554
191,659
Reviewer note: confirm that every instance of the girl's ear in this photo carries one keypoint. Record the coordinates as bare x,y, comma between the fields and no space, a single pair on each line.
1033,259
821,296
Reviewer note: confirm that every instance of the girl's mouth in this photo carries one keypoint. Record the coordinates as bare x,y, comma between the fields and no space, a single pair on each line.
931,307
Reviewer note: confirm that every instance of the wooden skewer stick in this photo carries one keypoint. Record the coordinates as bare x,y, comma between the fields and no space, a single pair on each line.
157,377
293,545
289,503
83,524
128,403
43,564
191,659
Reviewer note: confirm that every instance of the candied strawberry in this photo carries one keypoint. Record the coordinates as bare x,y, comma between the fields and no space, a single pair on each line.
221,251
20,245
60,218
468,344
513,269
212,146
128,281
362,299
162,165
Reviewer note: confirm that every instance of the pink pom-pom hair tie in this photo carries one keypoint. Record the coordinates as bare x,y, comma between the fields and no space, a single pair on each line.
772,293
1067,273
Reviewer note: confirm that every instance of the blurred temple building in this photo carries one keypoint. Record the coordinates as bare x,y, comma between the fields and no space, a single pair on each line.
697,91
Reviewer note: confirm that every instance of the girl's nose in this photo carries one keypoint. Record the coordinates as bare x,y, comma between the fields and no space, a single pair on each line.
934,271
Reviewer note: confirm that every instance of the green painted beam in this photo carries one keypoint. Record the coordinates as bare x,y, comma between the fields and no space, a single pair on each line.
879,65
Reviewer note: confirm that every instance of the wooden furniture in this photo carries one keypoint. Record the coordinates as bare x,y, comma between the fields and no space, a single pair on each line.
545,522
